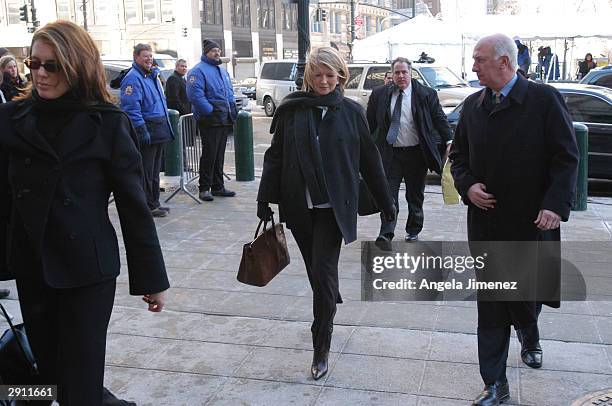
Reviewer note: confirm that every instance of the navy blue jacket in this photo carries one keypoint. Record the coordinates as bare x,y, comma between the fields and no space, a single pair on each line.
210,91
143,99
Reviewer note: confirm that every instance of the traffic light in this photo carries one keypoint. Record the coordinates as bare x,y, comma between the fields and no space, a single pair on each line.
23,13
323,15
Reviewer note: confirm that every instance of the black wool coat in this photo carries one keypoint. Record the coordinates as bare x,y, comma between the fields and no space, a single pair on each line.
430,120
347,150
176,94
524,151
54,214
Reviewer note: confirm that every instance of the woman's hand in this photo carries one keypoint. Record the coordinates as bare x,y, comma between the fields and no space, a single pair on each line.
156,301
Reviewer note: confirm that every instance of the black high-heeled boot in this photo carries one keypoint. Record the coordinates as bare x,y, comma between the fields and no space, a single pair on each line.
319,364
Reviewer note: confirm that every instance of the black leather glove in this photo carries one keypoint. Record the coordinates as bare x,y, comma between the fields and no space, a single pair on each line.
264,212
391,213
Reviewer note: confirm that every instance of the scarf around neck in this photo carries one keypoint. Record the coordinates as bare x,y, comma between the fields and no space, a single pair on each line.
306,133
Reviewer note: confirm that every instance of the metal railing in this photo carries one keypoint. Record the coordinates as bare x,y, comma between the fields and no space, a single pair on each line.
191,146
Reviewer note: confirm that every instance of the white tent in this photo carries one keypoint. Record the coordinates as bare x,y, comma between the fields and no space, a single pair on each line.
451,44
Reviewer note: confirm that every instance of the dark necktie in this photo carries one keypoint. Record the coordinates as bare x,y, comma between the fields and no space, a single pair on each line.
395,119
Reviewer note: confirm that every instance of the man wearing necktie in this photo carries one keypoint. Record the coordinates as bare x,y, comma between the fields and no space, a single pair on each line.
514,162
413,135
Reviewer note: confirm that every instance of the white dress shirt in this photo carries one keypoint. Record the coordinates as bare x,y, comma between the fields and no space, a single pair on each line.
408,135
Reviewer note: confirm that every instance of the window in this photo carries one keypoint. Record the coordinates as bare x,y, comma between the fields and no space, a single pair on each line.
379,26
12,8
131,11
63,10
354,78
101,12
268,71
241,13
265,14
290,17
605,81
285,71
588,109
376,77
212,12
149,11
315,25
167,10
337,23
416,75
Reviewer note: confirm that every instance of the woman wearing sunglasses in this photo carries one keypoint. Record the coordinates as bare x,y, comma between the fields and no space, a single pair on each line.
63,149
12,84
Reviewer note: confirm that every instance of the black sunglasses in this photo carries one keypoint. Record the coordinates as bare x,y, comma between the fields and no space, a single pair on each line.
50,67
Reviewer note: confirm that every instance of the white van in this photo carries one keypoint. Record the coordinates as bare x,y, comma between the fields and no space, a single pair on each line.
276,80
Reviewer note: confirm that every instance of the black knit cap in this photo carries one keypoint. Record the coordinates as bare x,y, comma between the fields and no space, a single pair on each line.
209,44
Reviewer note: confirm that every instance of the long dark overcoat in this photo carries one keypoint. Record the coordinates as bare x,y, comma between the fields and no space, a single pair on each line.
347,149
524,151
54,212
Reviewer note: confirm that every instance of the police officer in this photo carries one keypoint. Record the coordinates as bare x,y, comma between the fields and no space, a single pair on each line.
142,98
209,89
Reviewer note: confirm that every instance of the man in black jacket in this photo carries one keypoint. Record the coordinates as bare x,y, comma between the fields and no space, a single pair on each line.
176,93
413,135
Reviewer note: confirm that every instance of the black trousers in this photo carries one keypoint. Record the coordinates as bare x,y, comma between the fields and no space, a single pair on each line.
320,247
493,344
212,160
67,332
151,162
408,165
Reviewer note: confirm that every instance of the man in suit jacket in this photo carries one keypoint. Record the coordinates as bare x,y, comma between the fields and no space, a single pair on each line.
412,137
176,89
514,161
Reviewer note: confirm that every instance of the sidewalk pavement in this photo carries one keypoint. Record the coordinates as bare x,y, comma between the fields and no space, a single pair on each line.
219,342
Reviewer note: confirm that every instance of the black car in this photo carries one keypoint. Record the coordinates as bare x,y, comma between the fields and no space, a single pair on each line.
591,105
248,88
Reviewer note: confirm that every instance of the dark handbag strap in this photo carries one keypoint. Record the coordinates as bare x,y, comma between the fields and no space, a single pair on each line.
265,223
15,332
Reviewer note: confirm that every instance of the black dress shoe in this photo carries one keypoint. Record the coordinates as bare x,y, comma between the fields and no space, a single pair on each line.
383,242
108,399
4,293
493,395
319,364
159,212
164,208
206,196
411,237
532,357
224,193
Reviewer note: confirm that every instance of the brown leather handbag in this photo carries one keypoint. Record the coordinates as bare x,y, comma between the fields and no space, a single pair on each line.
265,256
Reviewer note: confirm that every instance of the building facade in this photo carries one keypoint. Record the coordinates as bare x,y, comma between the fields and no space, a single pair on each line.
249,31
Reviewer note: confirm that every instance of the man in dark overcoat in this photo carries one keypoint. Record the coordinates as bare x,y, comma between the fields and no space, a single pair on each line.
413,134
176,89
514,161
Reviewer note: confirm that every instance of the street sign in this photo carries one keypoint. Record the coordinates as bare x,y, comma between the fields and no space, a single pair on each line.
359,21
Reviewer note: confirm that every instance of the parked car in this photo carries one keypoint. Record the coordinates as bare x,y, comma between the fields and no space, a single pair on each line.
591,105
248,87
599,76
277,79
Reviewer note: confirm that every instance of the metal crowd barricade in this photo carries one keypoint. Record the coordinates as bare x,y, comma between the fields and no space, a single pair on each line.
191,146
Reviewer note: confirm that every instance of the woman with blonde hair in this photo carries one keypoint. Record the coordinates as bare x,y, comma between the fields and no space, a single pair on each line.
64,148
12,84
321,144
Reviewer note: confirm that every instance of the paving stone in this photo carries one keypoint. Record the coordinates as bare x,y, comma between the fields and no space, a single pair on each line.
278,364
390,342
568,327
402,315
457,319
134,351
604,327
336,396
264,393
553,388
579,357
201,357
153,388
431,401
462,348
297,335
376,373
459,381
600,308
